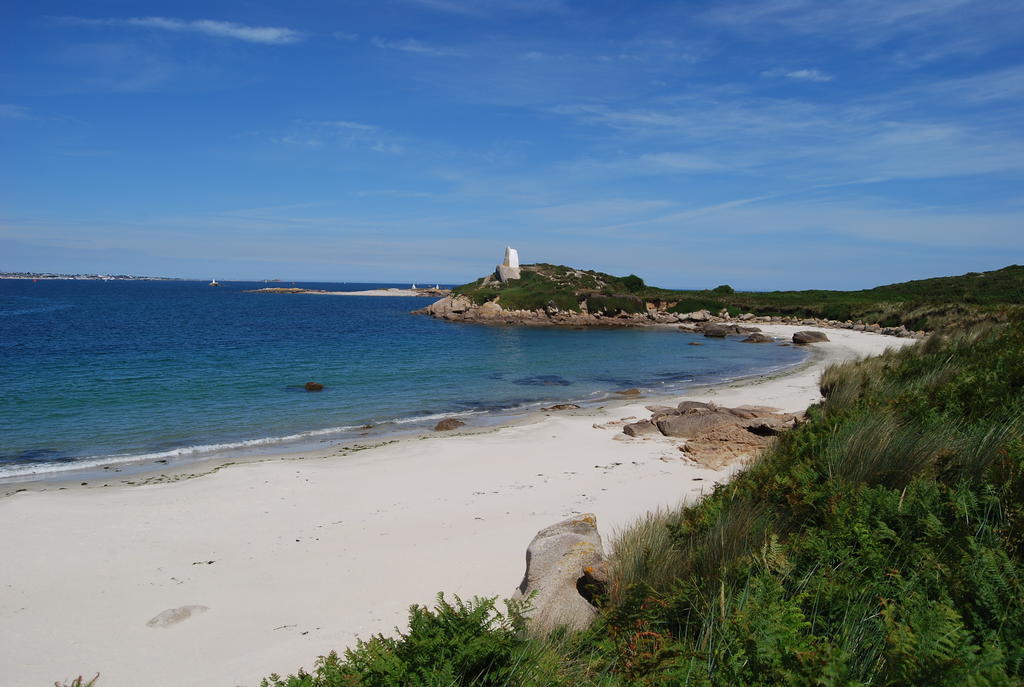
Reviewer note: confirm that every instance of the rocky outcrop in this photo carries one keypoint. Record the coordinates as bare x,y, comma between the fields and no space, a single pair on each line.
692,421
564,562
758,337
809,337
313,386
448,424
449,307
715,436
462,308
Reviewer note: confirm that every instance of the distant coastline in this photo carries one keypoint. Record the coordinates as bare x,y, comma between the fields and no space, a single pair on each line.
83,277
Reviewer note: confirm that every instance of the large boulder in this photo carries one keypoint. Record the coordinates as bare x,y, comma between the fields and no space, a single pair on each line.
563,562
809,337
758,337
693,421
489,311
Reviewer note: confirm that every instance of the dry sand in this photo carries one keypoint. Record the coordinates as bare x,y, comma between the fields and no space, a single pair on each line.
283,560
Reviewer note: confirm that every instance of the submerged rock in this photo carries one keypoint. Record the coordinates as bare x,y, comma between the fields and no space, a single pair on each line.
314,386
562,406
448,424
718,331
565,567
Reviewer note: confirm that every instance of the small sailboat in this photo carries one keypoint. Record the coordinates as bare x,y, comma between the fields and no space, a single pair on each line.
214,283
413,287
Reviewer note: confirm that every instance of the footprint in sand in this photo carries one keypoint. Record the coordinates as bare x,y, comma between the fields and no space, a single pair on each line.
173,616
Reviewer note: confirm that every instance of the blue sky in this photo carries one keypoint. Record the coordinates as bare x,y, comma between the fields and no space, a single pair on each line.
783,144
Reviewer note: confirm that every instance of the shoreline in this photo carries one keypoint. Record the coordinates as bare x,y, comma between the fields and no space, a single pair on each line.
168,465
295,555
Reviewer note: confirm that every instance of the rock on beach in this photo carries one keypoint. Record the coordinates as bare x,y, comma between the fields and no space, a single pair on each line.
562,561
809,337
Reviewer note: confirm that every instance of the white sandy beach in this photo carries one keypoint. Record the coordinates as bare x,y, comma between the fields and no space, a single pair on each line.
377,292
296,556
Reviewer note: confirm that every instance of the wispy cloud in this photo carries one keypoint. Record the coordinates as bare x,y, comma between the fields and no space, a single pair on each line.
681,162
417,47
488,7
798,74
270,35
591,211
340,133
14,112
1005,84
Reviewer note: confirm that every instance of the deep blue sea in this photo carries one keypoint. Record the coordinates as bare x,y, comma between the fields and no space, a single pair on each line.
98,372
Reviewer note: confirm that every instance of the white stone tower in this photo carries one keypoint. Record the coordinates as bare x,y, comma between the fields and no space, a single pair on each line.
511,257
509,268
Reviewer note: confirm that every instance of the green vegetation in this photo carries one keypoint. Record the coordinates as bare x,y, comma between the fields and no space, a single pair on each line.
924,304
881,542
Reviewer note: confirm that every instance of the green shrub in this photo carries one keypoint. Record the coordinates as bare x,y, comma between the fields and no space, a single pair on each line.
456,643
613,305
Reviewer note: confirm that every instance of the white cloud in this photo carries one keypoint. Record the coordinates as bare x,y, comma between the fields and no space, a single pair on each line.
270,35
799,74
414,46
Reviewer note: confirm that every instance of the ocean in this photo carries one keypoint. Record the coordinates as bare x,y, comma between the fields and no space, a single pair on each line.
100,373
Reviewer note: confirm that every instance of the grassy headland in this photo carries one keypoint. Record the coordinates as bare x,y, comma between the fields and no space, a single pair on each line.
880,542
923,304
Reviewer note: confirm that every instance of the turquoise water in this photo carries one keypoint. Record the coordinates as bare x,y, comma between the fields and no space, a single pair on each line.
96,372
